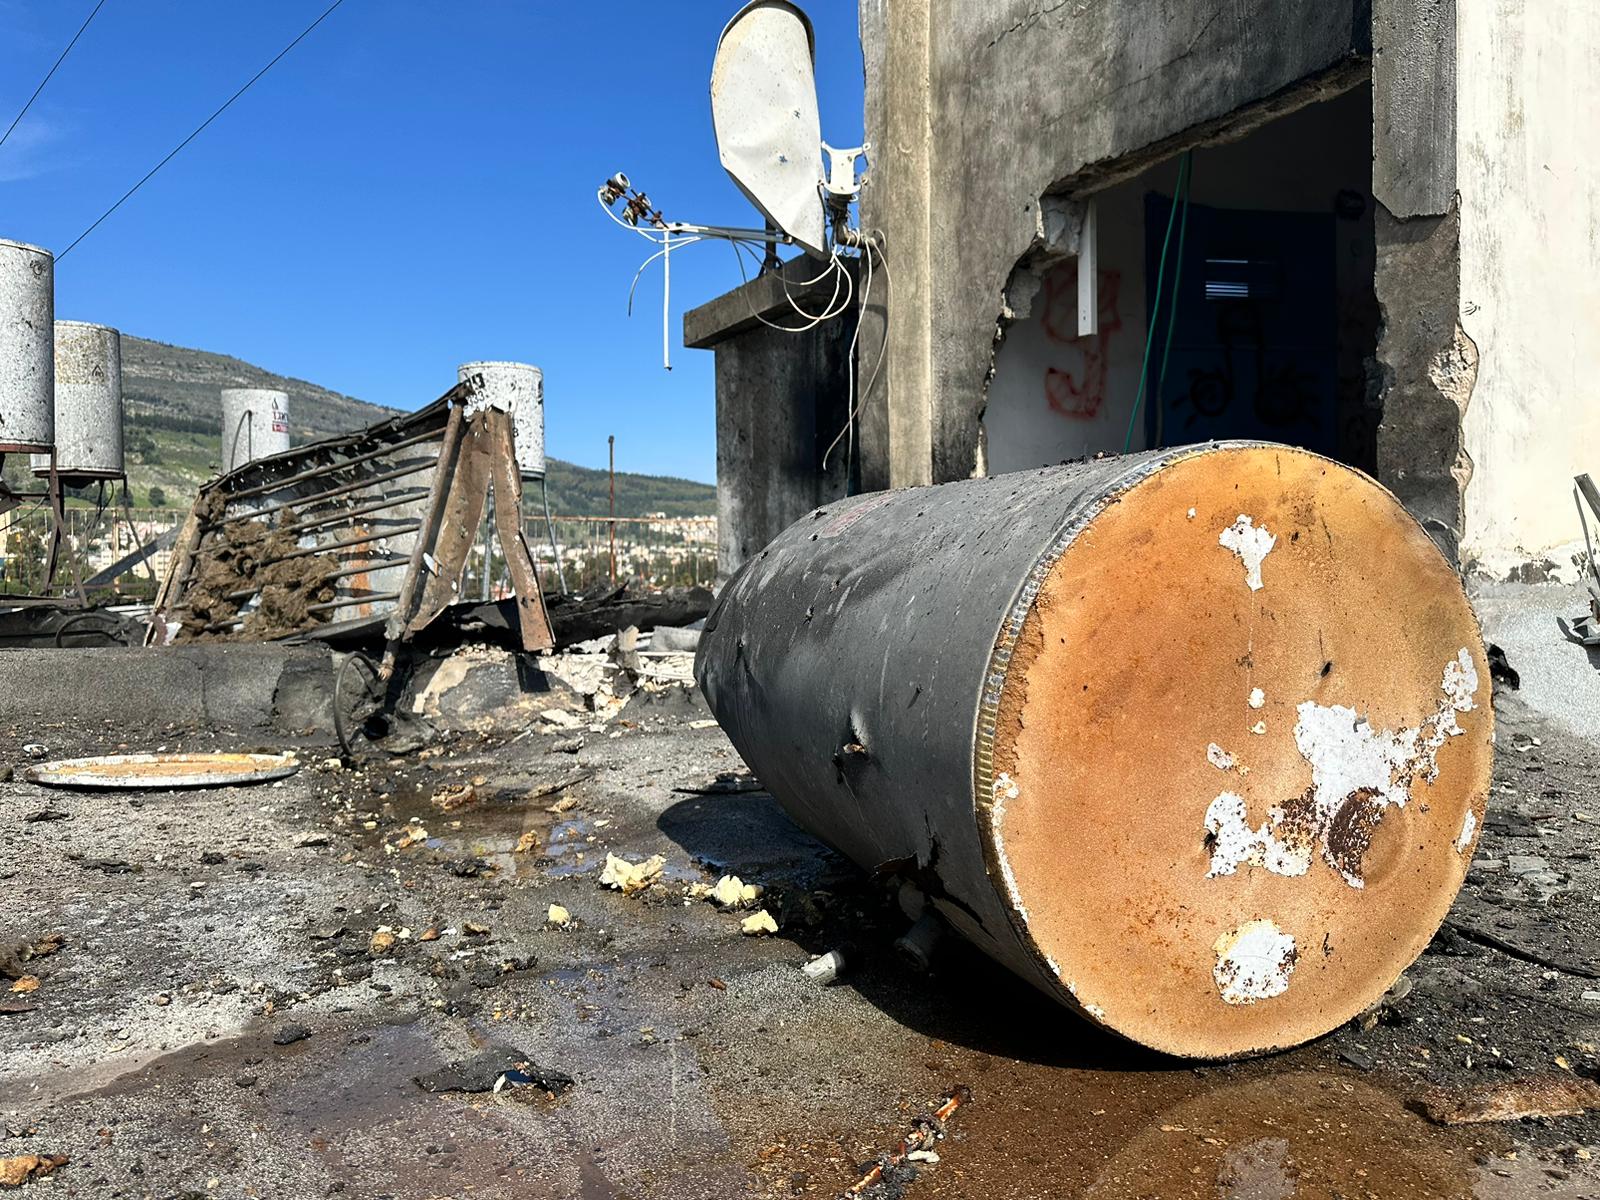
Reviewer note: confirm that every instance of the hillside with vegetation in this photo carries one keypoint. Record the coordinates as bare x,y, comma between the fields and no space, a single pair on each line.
173,434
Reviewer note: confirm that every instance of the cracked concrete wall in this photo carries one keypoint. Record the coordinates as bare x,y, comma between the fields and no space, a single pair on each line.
1530,270
976,110
1427,369
1421,457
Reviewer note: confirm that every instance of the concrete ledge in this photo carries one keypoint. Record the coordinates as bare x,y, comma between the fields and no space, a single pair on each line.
731,313
236,686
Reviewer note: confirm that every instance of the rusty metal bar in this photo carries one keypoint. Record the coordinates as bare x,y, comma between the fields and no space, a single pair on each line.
317,472
302,501
350,514
385,565
351,602
346,543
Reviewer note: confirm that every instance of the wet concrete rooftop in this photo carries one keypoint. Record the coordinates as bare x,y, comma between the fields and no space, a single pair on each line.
219,1021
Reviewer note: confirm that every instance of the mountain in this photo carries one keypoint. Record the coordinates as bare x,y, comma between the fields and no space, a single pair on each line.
173,434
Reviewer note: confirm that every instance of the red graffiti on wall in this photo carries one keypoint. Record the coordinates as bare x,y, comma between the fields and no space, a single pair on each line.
1079,393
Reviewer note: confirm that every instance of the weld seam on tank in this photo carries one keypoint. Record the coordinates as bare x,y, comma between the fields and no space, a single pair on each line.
983,781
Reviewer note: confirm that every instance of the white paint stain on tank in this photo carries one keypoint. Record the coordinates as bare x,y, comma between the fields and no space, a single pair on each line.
1257,697
1254,962
1235,843
1352,763
1005,788
1251,542
1219,758
1469,823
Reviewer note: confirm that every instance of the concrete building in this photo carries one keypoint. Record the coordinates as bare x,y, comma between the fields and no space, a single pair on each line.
1386,252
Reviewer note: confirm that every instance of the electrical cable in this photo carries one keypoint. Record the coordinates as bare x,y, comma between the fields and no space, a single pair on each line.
1155,309
883,350
201,127
18,118
1186,184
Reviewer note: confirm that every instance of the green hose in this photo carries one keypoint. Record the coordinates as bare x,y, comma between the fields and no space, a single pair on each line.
1180,198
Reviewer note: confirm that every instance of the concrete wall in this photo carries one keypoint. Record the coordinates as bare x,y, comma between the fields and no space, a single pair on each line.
977,110
1055,396
782,399
1528,159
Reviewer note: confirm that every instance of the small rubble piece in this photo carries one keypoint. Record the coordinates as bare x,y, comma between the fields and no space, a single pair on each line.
732,892
1385,1007
18,1170
290,1034
926,1131
11,965
758,923
382,942
47,814
528,842
560,718
452,796
825,968
491,1070
1538,1096
627,877
558,916
412,835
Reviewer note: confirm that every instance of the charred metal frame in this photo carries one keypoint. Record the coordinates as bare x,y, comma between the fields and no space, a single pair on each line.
332,502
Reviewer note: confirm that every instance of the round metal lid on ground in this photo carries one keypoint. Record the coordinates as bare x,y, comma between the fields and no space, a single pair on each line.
162,770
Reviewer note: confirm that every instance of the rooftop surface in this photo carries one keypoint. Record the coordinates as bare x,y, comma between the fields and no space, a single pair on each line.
264,991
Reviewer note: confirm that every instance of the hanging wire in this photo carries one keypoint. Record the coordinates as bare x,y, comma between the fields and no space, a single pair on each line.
1155,308
868,248
201,127
1177,290
18,118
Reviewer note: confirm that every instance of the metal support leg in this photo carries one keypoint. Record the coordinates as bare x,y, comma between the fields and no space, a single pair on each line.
550,528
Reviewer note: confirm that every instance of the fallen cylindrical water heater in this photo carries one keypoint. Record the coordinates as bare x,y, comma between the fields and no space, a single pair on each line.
1196,740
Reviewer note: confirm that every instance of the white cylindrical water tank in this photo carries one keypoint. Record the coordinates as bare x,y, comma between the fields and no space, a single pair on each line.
255,424
88,410
27,355
517,388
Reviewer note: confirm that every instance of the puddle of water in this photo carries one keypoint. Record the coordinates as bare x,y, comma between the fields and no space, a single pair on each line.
1255,1132
491,826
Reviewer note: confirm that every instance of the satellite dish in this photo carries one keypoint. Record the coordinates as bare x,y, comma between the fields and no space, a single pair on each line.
764,110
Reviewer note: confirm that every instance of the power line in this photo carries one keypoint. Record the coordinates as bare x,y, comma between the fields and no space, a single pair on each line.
52,71
201,127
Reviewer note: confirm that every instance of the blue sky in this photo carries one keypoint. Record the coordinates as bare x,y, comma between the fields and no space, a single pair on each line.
411,188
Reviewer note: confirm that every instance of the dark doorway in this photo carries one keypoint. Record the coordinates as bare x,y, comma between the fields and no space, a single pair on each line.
1254,332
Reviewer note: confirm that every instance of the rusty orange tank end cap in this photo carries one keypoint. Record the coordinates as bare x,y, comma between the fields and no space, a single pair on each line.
1241,754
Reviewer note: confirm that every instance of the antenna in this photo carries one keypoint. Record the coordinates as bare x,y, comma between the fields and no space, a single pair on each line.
764,109
769,138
